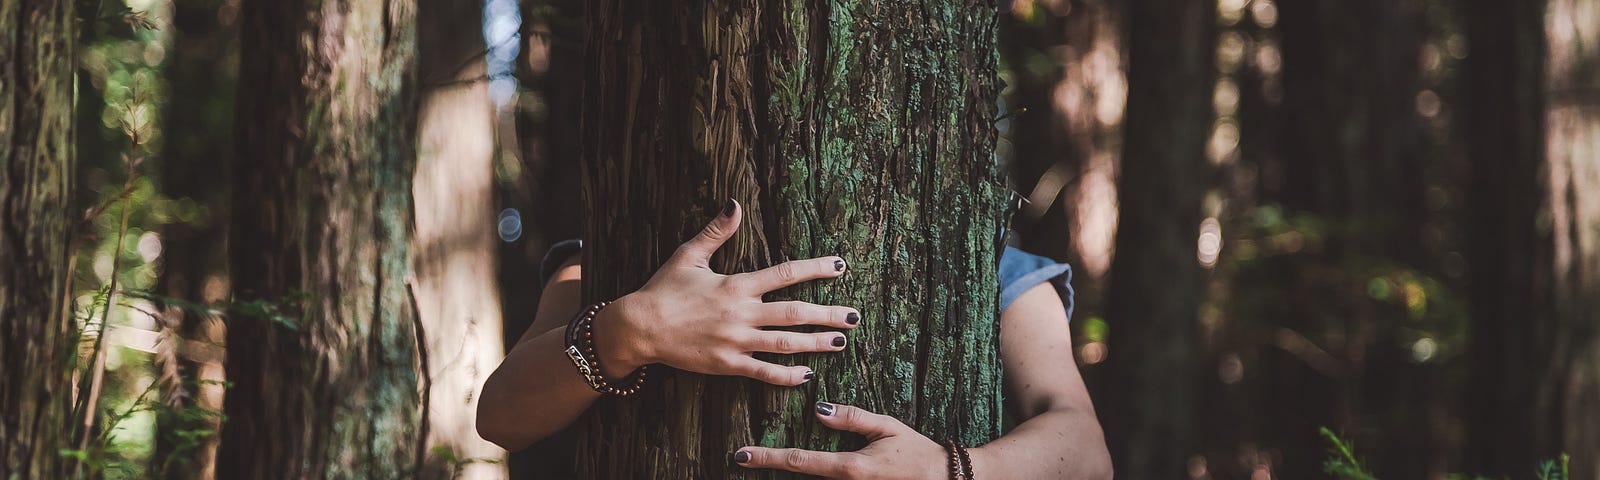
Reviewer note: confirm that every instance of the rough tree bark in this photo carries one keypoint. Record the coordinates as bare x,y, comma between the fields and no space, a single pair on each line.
323,350
202,73
36,163
1155,289
859,129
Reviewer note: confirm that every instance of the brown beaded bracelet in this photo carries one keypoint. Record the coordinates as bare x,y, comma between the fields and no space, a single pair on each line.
580,349
966,461
960,463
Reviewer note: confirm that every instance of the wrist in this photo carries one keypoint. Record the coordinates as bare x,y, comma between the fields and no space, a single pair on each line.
616,344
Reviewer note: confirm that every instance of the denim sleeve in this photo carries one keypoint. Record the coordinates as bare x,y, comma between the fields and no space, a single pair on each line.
555,256
1020,271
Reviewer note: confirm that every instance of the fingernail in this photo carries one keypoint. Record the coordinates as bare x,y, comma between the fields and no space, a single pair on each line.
825,408
838,341
809,375
741,456
853,318
838,265
727,207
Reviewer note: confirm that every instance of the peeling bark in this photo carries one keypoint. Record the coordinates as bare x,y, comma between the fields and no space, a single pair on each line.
36,170
857,129
325,126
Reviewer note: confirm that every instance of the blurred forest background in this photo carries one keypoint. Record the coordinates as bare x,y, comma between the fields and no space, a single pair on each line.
1392,229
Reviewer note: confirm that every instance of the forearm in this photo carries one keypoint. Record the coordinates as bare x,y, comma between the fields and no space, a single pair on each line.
1064,443
535,393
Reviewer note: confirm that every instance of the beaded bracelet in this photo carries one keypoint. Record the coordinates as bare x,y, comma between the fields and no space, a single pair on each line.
580,349
960,463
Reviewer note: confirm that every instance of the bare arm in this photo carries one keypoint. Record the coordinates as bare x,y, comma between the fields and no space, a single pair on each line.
536,375
686,317
1059,438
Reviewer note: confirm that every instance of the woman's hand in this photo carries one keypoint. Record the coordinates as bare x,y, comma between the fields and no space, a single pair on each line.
691,318
896,451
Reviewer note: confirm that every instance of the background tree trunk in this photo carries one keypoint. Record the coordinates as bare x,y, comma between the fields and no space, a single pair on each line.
1154,341
1511,419
193,169
1572,144
454,248
322,350
36,171
862,130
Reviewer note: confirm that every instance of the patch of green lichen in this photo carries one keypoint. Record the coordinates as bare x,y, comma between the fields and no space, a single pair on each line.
886,173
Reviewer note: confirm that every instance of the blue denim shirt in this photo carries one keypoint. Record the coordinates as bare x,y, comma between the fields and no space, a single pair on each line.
1019,271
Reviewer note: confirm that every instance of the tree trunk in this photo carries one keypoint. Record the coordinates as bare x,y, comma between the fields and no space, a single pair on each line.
1155,288
1509,420
322,349
203,69
1352,153
1572,144
454,248
36,171
859,130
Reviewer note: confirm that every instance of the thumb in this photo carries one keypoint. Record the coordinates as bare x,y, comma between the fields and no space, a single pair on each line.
697,251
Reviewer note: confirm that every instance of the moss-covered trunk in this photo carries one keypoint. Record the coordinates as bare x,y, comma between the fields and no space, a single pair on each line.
323,351
860,129
36,162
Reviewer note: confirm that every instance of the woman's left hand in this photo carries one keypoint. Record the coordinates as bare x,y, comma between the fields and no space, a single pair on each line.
895,450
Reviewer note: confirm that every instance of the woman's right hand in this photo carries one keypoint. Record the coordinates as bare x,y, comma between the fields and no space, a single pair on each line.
691,318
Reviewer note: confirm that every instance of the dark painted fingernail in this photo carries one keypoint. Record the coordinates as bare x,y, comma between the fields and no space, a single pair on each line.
809,375
838,341
741,456
838,265
727,207
853,318
825,408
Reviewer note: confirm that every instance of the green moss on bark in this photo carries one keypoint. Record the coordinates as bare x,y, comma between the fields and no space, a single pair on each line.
857,129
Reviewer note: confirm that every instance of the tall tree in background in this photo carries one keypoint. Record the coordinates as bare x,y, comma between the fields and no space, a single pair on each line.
1534,130
36,168
193,167
1572,143
323,351
1154,347
852,129
1352,156
454,247
1510,415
